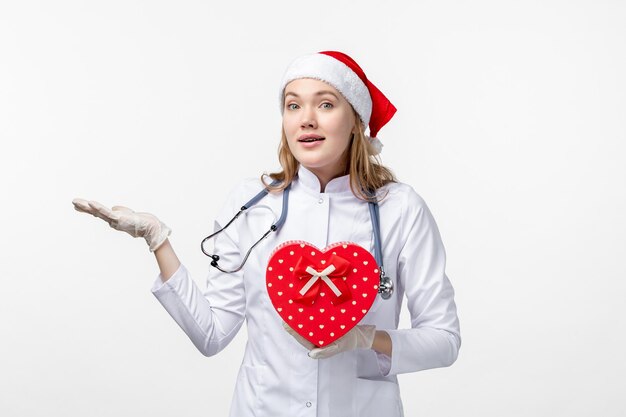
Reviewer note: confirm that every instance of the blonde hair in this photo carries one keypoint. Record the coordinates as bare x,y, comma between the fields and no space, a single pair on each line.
367,174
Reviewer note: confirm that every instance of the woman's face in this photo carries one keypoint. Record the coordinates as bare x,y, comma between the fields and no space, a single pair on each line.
318,123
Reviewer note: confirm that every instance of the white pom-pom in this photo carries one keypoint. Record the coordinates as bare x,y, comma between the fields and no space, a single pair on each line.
377,145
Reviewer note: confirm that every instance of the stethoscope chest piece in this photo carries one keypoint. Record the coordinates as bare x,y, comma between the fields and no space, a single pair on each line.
385,288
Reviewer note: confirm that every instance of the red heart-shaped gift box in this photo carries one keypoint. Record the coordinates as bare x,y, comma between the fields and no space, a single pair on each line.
322,293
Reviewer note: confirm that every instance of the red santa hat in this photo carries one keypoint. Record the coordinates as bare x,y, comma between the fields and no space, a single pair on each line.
345,75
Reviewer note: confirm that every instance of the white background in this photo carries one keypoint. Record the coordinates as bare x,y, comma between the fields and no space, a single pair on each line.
510,124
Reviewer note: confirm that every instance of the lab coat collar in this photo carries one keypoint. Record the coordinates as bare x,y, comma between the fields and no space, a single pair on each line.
339,185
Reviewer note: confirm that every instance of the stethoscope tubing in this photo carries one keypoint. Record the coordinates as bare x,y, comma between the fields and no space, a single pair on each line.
385,288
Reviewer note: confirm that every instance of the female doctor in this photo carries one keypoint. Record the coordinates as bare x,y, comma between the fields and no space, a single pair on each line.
328,164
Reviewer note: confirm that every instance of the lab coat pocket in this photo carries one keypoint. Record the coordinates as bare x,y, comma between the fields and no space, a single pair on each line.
378,397
367,365
249,391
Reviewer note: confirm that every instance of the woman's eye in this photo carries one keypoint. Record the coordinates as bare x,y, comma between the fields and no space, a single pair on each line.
328,105
289,106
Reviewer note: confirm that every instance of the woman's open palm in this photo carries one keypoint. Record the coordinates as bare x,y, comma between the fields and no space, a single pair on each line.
122,218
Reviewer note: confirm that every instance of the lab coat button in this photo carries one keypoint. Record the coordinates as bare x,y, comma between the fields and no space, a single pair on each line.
321,200
308,403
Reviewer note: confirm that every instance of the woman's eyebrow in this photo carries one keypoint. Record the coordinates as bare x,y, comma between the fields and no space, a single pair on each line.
319,93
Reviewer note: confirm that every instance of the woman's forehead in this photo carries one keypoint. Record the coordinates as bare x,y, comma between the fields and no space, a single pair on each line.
310,86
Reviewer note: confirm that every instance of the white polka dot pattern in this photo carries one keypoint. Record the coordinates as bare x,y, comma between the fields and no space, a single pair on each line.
322,316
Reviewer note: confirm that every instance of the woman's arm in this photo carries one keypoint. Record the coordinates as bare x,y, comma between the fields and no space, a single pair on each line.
433,340
210,318
167,260
382,342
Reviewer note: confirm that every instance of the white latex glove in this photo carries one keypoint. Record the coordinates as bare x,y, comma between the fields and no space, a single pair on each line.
308,345
126,220
360,337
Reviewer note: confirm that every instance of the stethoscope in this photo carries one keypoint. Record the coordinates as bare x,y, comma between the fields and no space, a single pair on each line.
385,287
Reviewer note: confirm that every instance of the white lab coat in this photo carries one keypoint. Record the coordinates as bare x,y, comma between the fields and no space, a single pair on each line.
276,377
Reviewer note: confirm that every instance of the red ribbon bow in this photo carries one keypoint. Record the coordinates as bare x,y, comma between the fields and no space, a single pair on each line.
312,271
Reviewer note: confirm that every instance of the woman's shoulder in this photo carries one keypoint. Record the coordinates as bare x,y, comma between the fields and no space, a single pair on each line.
249,184
241,192
401,193
406,205
238,195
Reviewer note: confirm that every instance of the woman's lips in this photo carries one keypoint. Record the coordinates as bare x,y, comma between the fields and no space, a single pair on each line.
311,142
310,137
307,140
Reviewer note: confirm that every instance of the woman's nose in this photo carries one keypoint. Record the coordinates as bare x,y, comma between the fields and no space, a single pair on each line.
308,118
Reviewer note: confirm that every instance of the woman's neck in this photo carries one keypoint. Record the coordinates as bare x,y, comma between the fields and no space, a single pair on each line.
325,176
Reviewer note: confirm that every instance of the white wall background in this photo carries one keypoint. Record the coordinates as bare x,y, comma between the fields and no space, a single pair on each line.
511,125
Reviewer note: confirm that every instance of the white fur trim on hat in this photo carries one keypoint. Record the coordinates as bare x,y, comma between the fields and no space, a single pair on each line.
377,145
334,72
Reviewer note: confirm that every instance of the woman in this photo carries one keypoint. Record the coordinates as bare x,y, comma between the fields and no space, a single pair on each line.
327,102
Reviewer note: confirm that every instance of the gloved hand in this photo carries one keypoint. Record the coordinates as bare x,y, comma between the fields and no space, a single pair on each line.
308,345
126,220
360,336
